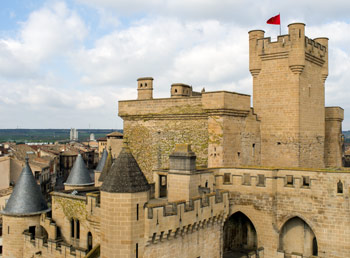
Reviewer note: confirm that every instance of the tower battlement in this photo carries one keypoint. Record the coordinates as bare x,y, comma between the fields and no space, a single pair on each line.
295,46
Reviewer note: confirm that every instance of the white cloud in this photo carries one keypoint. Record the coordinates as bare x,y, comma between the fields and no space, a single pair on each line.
50,31
56,73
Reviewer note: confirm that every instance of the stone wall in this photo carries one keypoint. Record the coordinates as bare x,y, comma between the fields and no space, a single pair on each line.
221,127
122,227
66,207
13,238
271,204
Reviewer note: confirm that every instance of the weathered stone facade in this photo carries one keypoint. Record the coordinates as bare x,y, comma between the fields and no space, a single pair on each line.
251,192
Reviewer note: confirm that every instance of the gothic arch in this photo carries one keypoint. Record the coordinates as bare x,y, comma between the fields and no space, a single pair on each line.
296,235
239,234
251,214
293,215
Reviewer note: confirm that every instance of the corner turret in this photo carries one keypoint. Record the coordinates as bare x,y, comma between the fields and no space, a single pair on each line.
125,188
22,212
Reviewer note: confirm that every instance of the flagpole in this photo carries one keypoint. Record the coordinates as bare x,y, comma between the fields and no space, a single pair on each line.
280,23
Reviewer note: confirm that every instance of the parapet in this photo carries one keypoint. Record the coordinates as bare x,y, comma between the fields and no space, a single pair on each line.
295,46
165,222
335,113
227,102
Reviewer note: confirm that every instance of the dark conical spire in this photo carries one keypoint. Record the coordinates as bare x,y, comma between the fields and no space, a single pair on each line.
26,198
102,161
79,175
125,175
107,166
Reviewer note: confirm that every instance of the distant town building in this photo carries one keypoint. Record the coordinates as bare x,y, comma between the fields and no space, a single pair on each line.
92,137
73,134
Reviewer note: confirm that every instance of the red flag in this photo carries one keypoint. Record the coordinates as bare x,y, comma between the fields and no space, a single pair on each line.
274,20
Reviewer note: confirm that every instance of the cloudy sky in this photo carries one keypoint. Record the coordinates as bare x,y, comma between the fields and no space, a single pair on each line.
66,63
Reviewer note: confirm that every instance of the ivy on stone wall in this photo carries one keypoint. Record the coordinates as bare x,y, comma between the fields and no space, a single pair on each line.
72,208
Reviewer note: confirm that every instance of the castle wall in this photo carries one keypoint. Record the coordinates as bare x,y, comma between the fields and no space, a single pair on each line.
312,116
186,229
13,238
116,145
152,131
65,208
204,243
269,206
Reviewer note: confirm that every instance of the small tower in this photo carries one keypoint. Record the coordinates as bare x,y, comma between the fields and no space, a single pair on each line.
100,167
123,197
145,88
106,167
183,180
79,176
180,90
22,212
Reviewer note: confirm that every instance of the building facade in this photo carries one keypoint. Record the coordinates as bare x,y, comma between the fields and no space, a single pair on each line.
204,174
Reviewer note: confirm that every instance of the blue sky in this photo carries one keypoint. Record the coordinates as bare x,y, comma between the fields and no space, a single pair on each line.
66,63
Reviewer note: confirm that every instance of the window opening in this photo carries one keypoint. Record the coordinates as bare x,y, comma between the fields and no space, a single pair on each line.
289,180
261,180
137,211
340,187
72,228
246,179
78,229
306,181
227,177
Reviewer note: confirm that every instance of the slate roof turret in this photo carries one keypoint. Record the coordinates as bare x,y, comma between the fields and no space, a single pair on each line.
107,166
26,198
125,175
79,175
102,161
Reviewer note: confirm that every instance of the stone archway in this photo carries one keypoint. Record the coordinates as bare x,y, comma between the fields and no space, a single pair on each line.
297,236
240,236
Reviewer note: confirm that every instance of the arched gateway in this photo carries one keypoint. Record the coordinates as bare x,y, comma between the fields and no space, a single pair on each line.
240,236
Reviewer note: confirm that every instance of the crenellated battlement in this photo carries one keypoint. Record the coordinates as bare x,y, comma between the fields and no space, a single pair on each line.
295,46
168,221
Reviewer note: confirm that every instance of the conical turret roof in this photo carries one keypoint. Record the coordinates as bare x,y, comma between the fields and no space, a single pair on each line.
107,166
26,198
102,161
125,175
79,175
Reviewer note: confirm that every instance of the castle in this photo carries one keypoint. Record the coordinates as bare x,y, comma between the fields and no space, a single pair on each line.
203,174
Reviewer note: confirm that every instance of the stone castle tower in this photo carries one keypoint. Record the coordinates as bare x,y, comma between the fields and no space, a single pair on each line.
289,97
127,190
22,213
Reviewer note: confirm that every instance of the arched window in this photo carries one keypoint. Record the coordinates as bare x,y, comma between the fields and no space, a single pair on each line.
89,241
